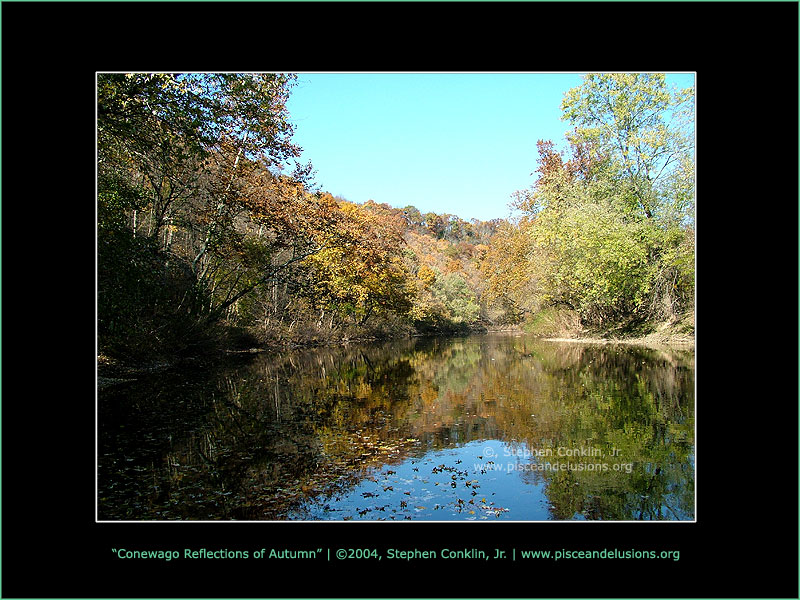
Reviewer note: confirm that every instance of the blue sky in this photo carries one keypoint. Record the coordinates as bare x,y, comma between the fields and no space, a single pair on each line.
457,143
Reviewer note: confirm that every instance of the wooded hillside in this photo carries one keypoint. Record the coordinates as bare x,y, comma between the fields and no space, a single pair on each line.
210,234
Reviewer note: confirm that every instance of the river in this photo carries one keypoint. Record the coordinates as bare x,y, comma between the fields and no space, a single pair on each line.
481,428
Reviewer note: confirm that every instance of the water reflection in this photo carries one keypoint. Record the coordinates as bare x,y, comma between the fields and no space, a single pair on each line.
499,426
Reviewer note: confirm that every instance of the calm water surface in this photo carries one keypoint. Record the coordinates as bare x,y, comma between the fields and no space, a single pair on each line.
494,427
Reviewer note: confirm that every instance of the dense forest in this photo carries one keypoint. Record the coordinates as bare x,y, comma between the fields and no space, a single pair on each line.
211,235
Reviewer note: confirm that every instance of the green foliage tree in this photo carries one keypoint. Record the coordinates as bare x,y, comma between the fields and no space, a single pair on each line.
644,126
607,230
453,290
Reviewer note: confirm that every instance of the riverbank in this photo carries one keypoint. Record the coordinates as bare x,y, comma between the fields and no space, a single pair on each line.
564,326
240,344
673,335
111,372
651,340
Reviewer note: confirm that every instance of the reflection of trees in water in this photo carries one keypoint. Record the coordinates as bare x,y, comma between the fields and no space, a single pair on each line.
265,436
625,400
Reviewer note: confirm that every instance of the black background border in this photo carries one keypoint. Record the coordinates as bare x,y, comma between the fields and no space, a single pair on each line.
744,543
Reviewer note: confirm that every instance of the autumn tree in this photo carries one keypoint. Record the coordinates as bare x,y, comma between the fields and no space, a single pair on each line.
507,270
176,153
359,269
155,130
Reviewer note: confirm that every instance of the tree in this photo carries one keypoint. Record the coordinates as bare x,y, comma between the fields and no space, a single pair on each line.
459,299
159,130
593,260
507,270
360,270
181,161
412,215
644,125
434,224
606,228
280,226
